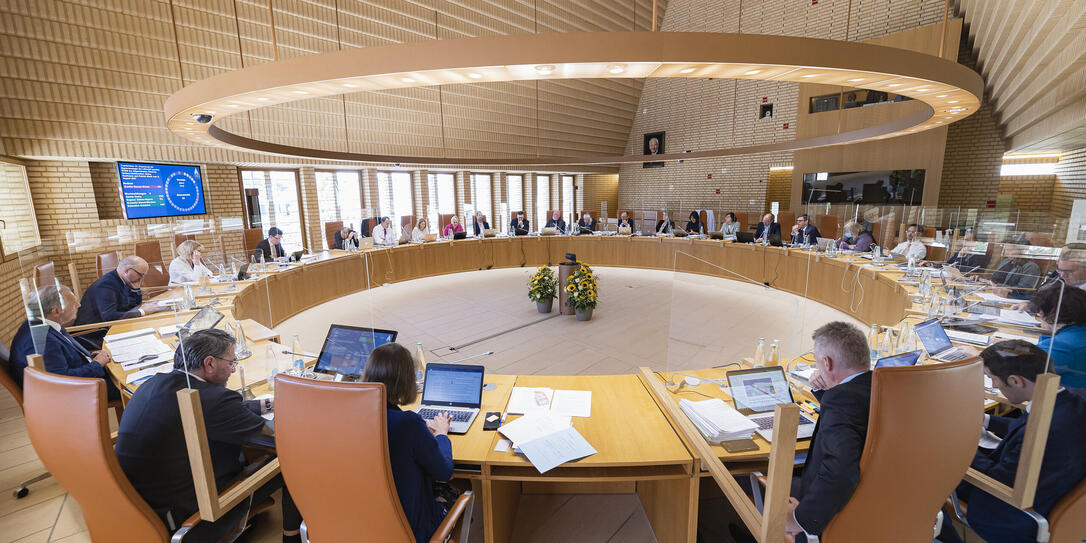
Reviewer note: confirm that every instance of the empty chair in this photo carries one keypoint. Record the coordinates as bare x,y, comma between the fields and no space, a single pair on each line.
45,274
345,488
106,262
157,274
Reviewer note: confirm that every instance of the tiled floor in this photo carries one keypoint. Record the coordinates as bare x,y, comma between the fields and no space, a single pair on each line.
659,319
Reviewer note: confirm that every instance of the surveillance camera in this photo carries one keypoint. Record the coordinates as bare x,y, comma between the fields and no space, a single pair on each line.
202,118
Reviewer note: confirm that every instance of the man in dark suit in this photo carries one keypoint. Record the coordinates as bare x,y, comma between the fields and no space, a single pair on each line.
587,222
519,226
115,296
61,353
804,232
1014,366
151,442
271,246
842,386
624,221
344,234
480,224
768,225
556,221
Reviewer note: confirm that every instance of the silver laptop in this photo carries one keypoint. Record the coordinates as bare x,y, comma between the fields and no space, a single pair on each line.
824,243
756,392
456,389
937,343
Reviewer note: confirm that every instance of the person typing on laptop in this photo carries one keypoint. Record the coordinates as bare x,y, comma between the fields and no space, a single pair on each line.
419,450
842,385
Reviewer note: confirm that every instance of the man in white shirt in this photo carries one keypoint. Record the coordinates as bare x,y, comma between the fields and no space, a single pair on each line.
383,234
912,245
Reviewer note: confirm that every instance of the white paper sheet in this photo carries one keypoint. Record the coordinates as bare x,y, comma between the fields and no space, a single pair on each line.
1017,317
989,297
524,400
129,335
148,373
572,403
533,426
502,445
556,448
1003,335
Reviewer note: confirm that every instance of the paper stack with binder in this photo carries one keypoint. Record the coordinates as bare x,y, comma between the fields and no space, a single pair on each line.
718,421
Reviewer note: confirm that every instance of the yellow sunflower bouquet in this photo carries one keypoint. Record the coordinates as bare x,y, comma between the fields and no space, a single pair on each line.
582,288
543,286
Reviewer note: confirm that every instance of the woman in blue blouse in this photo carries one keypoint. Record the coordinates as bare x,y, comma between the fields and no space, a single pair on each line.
1068,341
419,450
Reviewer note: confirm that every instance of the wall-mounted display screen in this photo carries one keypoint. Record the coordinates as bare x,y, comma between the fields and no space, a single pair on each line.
876,187
160,190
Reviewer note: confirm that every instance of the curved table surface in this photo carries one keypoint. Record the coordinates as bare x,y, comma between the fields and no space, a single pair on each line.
637,443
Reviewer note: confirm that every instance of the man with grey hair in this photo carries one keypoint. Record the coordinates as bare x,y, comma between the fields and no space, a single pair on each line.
842,386
55,308
151,441
116,295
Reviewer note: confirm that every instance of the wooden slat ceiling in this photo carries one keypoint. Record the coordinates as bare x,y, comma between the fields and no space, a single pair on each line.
88,78
1032,54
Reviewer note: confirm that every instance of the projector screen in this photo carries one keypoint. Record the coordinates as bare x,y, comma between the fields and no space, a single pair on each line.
874,187
160,190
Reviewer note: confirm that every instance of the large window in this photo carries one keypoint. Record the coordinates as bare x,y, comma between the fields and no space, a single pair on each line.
19,231
442,189
480,195
278,200
568,209
515,193
339,199
394,195
542,199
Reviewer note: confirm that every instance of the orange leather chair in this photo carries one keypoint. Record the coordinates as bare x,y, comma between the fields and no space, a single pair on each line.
178,239
904,480
253,236
157,273
1067,520
106,262
743,218
787,220
830,226
407,224
8,382
45,274
330,229
344,487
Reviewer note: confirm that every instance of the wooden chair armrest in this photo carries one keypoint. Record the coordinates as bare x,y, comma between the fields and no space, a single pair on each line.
444,530
84,328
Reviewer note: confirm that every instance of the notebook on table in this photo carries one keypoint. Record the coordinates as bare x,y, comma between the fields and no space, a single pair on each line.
756,392
456,389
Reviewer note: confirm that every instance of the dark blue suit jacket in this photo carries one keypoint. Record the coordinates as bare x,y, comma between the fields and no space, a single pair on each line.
832,469
108,299
151,442
418,459
1063,467
62,354
810,234
774,229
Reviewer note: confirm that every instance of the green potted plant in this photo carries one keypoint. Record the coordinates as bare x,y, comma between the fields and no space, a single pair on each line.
542,288
582,288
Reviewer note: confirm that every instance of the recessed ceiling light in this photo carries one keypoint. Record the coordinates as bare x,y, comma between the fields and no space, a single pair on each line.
263,99
686,70
856,80
941,96
407,80
752,72
616,68
545,69
811,75
953,102
938,122
232,105
474,75
300,92
350,85
922,89
894,85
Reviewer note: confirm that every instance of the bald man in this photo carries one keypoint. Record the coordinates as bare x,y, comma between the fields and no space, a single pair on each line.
115,296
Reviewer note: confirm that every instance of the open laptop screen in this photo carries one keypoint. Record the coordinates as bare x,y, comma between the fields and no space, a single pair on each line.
933,336
347,348
903,359
759,389
206,318
454,385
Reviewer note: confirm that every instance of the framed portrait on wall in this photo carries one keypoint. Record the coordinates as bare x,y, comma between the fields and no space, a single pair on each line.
653,144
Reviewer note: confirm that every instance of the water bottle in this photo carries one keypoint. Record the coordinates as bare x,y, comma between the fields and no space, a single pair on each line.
775,353
190,298
759,353
873,341
299,364
420,366
271,362
911,270
888,343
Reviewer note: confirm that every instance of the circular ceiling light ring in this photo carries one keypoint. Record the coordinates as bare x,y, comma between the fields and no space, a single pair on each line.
932,81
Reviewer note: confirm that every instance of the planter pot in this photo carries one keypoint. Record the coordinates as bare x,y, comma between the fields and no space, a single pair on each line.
545,307
584,315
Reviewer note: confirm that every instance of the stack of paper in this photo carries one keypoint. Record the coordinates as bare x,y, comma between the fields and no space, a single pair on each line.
133,349
1017,317
717,421
567,403
989,297
547,440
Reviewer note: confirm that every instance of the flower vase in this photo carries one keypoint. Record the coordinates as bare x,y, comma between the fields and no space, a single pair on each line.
545,307
584,315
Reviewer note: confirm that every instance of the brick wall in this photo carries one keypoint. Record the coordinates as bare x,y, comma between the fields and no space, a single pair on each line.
1070,182
1030,194
595,189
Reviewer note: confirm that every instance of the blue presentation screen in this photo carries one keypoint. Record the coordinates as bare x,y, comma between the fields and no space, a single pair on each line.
160,190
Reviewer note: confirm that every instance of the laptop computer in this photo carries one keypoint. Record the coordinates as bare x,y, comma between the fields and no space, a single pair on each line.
429,237
744,237
937,343
346,349
824,243
208,317
297,256
243,272
456,389
897,360
775,240
757,391
460,235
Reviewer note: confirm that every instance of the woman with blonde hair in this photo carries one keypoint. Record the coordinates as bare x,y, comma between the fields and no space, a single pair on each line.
856,239
453,227
418,235
188,267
